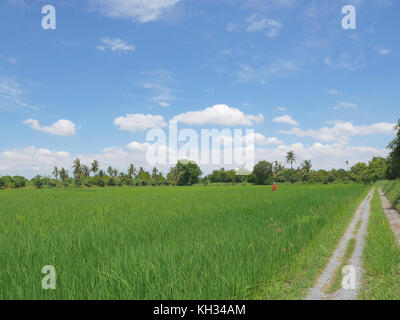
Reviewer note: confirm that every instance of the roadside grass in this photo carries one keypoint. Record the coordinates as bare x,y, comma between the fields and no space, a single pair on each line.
171,243
392,192
336,281
381,258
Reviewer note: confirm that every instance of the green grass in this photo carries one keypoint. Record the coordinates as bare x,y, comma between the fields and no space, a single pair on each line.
171,243
336,282
381,258
392,192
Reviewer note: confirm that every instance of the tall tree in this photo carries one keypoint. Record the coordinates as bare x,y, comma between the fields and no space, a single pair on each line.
291,158
77,168
94,167
63,175
393,171
85,171
56,172
132,171
263,172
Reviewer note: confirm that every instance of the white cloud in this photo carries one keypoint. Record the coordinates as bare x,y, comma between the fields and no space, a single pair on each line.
137,146
115,44
257,22
260,140
61,127
221,115
286,119
12,96
164,104
139,122
383,51
344,105
323,156
342,131
282,109
31,160
137,10
335,92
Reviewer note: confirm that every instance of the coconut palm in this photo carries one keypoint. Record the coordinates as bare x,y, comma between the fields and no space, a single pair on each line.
63,174
132,171
291,158
55,172
77,168
85,171
94,167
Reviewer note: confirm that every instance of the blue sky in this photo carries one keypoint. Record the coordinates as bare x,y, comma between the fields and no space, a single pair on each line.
327,93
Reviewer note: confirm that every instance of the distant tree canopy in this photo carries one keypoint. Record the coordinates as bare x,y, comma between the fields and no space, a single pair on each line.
263,173
187,173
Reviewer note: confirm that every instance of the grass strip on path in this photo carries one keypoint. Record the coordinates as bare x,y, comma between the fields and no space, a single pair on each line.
336,281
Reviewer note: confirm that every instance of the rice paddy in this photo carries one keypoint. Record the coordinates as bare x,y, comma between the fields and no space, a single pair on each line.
229,242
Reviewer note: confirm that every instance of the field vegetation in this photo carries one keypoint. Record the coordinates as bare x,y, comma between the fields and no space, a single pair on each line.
171,243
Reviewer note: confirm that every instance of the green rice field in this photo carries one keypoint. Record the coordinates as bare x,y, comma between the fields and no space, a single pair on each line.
202,242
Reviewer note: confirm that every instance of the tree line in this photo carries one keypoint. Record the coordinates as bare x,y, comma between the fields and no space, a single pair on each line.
187,173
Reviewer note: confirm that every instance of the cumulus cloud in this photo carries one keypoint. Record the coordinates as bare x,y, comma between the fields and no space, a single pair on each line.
323,156
137,146
260,140
286,119
115,44
139,122
32,160
257,138
341,131
141,11
61,127
221,115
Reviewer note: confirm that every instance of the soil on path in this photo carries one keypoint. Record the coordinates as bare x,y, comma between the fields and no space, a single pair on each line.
317,292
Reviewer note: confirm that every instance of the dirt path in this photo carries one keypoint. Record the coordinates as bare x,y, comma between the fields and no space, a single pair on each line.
317,292
392,215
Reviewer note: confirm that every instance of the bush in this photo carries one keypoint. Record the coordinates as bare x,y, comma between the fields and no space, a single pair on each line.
112,182
2,183
38,181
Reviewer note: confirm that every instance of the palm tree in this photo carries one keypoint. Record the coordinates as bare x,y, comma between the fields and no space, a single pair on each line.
291,158
55,172
112,172
63,174
77,168
132,171
85,171
94,167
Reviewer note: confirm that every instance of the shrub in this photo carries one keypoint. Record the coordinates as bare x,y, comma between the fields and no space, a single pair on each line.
2,183
37,181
